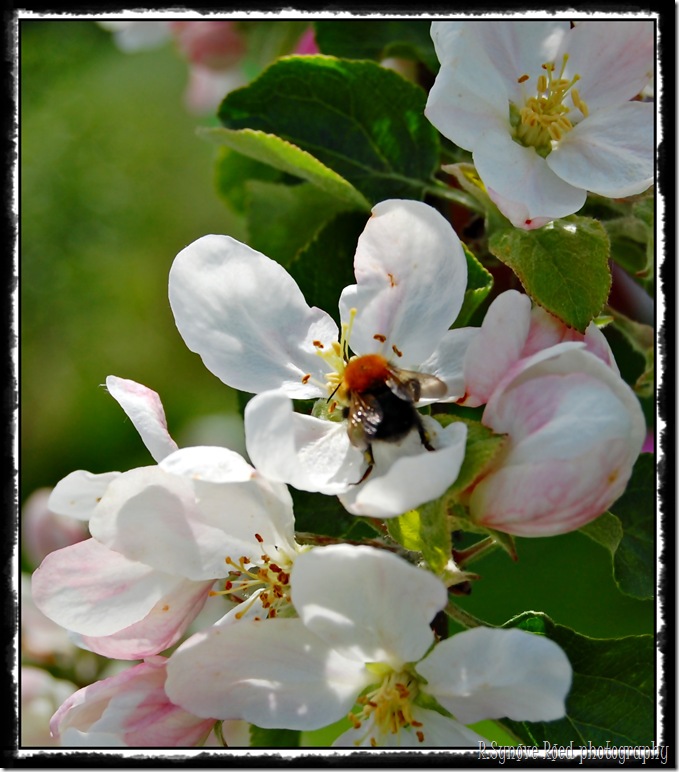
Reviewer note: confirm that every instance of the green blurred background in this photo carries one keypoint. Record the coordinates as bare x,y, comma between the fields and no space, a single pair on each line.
114,182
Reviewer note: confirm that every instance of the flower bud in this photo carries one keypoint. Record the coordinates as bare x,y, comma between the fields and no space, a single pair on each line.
575,429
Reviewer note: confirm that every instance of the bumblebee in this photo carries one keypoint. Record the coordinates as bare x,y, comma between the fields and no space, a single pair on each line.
382,401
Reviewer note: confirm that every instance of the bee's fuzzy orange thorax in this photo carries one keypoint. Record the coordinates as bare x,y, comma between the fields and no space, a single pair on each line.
366,371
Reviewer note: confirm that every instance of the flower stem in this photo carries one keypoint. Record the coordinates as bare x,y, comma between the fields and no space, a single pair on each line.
465,557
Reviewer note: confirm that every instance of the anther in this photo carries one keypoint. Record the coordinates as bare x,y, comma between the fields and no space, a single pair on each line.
379,337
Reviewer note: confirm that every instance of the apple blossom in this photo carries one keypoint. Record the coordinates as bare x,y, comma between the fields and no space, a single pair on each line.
161,537
128,710
363,638
512,330
575,429
506,91
247,318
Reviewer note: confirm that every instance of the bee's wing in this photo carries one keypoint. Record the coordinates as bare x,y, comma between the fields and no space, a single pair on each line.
412,386
365,416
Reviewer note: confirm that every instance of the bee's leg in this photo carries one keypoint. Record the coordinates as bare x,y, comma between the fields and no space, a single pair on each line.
424,437
370,460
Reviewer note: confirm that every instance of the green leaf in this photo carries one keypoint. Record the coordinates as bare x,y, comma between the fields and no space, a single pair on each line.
282,219
286,157
274,738
479,284
378,40
364,122
612,697
628,532
325,266
233,172
563,266
424,530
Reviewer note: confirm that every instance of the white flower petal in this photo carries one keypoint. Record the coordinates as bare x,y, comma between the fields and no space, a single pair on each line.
308,453
447,362
209,464
189,528
407,475
610,153
92,590
144,408
367,604
273,673
411,275
614,59
521,183
79,493
486,673
247,318
456,106
436,731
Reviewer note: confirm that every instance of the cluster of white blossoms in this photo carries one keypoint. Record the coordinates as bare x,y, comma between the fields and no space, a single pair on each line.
308,635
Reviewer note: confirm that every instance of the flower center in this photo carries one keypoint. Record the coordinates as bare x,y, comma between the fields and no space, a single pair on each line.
258,578
387,707
543,119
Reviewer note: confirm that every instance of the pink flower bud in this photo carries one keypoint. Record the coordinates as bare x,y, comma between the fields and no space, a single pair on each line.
512,331
575,429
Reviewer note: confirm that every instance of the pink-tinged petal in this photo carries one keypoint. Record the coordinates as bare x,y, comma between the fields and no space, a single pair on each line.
615,60
161,628
447,362
367,604
79,493
308,453
433,731
129,709
144,408
456,106
522,185
404,245
486,673
575,430
611,153
497,347
92,590
273,673
546,331
247,318
406,474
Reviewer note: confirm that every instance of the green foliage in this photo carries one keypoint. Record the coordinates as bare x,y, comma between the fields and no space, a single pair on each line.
286,157
562,266
362,121
479,285
378,40
628,532
274,738
424,530
612,696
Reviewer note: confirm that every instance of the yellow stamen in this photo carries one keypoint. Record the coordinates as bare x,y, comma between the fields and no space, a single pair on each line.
543,119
